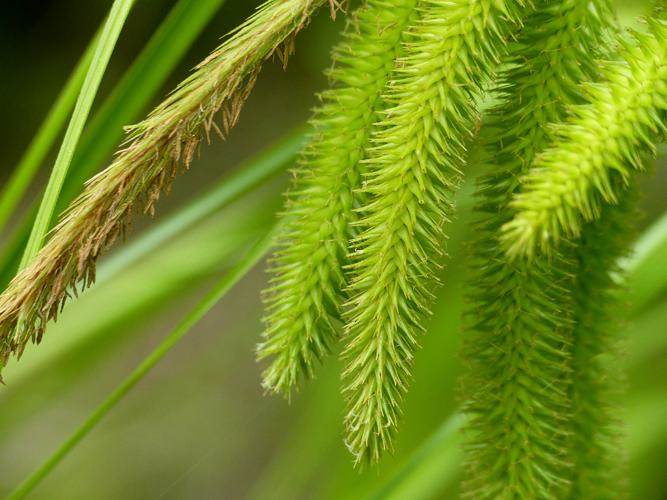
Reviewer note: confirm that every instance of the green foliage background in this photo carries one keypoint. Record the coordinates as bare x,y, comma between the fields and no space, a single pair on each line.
199,426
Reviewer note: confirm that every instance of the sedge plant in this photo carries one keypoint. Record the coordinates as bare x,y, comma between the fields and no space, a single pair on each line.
303,305
154,152
522,313
416,159
598,148
576,104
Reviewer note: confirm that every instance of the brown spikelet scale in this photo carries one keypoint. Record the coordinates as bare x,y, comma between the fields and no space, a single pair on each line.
144,167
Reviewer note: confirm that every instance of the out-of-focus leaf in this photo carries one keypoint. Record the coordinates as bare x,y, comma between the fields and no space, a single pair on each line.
104,47
130,97
647,266
249,260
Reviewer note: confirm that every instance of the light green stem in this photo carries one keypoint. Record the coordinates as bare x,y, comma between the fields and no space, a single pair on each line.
129,98
103,49
211,299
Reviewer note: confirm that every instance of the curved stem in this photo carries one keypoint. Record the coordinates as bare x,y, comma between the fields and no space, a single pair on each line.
210,300
104,47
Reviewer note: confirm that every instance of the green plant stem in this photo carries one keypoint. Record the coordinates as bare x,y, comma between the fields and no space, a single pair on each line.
103,50
33,157
211,299
128,99
647,274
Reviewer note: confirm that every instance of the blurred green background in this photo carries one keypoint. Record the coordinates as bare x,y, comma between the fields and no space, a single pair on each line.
199,425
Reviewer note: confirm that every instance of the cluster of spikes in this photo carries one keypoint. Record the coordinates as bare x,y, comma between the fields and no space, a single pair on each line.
578,106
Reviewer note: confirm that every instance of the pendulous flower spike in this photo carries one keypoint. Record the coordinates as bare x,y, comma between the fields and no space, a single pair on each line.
598,457
519,349
307,270
598,149
413,167
144,167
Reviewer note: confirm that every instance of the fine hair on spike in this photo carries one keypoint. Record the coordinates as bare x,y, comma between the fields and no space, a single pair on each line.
413,167
144,167
598,457
597,149
518,388
307,274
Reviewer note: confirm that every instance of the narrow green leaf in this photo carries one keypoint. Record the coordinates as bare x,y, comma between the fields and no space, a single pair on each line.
103,50
130,97
211,299
432,468
646,266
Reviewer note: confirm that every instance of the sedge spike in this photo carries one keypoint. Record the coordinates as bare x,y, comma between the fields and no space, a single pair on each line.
154,151
518,351
597,453
307,270
413,168
598,149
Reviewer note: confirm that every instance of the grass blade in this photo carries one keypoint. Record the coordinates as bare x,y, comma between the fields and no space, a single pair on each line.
646,269
212,298
130,97
103,50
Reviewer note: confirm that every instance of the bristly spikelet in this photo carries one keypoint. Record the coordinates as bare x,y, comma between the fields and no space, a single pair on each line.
597,149
155,149
518,350
307,270
414,166
598,456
